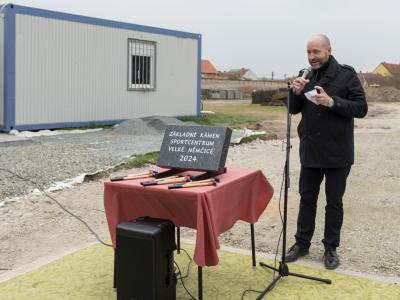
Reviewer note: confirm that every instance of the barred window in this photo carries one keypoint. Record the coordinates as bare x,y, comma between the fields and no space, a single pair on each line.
141,68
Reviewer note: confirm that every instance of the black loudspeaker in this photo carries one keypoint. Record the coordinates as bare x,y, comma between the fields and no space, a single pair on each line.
144,260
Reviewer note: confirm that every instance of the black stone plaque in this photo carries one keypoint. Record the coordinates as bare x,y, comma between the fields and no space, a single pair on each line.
202,148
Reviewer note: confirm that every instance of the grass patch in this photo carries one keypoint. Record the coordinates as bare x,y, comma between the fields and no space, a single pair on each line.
244,108
236,114
198,120
143,159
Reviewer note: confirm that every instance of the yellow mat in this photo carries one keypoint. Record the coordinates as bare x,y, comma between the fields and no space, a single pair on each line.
88,274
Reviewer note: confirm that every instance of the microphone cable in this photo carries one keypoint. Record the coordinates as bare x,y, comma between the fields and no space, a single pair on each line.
279,238
39,187
181,277
189,265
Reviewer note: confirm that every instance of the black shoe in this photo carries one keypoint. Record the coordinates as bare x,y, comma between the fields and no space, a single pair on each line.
331,259
295,252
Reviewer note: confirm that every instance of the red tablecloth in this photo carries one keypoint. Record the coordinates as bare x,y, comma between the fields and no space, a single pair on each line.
242,194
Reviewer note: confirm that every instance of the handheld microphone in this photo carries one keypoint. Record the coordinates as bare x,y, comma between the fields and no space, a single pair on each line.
306,72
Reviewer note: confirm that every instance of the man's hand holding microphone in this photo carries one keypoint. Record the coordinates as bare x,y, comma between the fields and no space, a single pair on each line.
300,82
298,85
321,99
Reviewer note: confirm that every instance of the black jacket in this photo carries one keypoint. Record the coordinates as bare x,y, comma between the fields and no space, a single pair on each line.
327,134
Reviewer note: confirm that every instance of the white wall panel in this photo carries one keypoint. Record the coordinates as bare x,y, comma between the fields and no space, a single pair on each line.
74,72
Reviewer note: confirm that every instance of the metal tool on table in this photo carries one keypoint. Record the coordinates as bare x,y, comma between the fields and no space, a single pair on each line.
198,183
167,180
149,173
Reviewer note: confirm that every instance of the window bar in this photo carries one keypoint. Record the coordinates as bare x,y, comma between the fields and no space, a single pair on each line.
148,55
149,69
141,66
136,65
148,65
130,64
153,64
139,69
133,64
153,70
145,65
130,68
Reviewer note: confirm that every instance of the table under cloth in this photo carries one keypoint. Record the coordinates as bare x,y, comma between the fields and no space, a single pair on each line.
241,194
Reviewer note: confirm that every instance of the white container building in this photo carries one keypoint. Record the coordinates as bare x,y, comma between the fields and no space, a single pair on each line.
63,70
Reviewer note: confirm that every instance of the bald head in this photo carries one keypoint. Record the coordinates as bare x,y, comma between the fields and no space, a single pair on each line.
318,50
321,39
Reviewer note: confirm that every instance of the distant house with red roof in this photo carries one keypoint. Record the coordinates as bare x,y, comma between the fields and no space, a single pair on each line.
207,69
386,69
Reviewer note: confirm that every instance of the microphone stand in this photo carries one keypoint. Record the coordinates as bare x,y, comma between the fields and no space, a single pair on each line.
283,269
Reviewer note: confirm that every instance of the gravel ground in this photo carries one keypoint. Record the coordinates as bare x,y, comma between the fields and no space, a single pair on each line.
370,236
50,159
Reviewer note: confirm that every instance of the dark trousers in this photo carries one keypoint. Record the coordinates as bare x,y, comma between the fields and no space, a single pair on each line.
335,186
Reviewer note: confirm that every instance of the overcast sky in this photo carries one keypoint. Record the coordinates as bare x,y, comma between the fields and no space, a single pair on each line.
265,36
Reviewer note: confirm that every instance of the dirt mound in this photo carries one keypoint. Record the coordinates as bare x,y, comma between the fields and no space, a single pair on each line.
383,94
134,127
159,123
147,125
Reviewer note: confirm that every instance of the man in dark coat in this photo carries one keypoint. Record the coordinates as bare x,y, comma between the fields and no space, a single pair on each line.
326,132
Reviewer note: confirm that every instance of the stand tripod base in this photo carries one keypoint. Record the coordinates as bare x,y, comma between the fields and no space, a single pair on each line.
282,272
